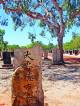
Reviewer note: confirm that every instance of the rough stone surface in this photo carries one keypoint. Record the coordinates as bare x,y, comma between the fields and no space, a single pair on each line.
56,56
27,79
45,54
6,58
36,52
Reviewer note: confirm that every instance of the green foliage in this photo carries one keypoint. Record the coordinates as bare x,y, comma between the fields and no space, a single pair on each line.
2,32
42,24
44,47
67,46
32,37
69,23
74,43
65,4
1,47
2,43
12,47
33,44
5,45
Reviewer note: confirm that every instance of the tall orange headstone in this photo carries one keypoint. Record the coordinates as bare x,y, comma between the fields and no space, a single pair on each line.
27,80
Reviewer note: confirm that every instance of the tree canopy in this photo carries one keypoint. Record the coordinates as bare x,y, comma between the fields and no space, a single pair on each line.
53,15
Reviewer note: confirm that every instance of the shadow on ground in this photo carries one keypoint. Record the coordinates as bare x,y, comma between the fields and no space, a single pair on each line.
67,72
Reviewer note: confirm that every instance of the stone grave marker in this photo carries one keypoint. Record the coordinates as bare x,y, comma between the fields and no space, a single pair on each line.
7,59
1,56
55,56
18,55
0,53
12,54
27,78
45,54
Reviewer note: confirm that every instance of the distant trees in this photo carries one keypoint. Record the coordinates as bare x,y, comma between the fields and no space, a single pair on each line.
12,47
54,15
2,42
5,45
48,47
74,43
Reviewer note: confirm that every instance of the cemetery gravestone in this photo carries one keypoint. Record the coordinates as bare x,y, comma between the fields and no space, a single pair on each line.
76,52
70,52
56,56
1,56
27,79
73,51
12,54
18,55
45,54
6,58
0,53
67,52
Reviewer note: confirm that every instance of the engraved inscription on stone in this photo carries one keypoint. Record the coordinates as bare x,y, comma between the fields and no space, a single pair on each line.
27,82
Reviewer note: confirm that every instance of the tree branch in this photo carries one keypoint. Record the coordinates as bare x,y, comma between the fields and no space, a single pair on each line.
57,6
75,14
34,15
1,1
48,14
59,9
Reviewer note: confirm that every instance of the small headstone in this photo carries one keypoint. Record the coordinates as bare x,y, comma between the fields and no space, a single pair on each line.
0,56
45,54
70,52
67,52
12,54
27,79
76,52
56,56
7,60
0,53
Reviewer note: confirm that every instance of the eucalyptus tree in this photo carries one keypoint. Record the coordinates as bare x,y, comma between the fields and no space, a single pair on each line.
54,15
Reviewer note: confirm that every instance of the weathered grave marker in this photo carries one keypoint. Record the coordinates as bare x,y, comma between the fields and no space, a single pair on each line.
45,54
18,55
70,52
0,53
7,59
76,52
27,79
1,56
12,54
56,56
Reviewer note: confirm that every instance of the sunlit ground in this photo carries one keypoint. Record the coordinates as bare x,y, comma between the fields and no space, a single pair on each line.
61,84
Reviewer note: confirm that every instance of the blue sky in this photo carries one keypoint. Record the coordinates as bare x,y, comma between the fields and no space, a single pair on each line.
21,37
